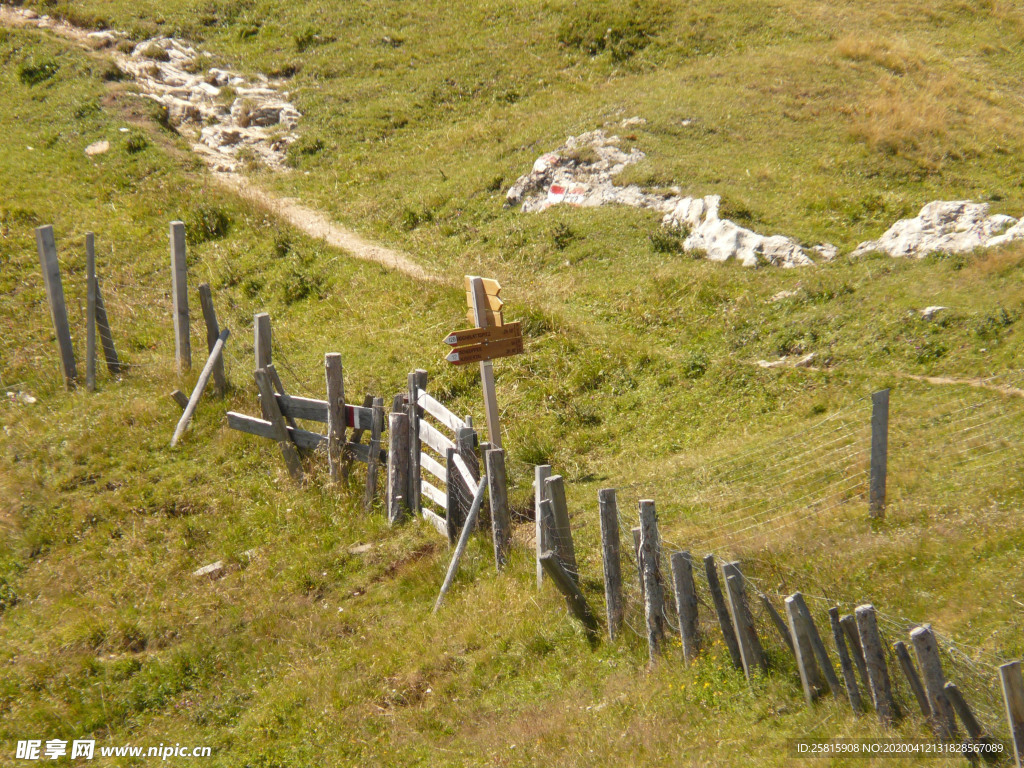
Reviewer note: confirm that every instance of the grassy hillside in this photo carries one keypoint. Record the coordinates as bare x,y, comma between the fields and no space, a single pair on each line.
815,120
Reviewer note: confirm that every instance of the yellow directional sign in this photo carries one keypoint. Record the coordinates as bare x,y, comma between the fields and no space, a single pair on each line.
482,335
491,287
492,303
493,318
476,353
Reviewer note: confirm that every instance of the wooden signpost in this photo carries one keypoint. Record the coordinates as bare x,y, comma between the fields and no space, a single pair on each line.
488,340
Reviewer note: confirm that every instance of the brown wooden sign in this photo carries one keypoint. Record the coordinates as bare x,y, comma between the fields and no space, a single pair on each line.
484,335
493,318
491,287
476,353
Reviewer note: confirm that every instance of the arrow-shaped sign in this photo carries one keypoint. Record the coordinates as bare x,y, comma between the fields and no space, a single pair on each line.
492,303
481,335
479,352
491,287
493,318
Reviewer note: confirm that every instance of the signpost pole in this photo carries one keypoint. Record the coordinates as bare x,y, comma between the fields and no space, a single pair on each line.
486,368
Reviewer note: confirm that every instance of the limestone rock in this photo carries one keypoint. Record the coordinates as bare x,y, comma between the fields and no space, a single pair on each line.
97,148
929,313
956,226
212,571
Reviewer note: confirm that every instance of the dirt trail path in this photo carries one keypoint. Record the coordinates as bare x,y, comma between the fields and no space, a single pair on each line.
308,220
1004,389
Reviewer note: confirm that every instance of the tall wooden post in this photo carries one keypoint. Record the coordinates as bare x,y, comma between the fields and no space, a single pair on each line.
47,247
845,664
810,676
417,381
562,532
496,485
90,311
179,296
541,473
486,368
374,458
262,340
879,451
722,610
608,509
336,424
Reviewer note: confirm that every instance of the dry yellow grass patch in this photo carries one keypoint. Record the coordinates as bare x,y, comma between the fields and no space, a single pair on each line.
895,56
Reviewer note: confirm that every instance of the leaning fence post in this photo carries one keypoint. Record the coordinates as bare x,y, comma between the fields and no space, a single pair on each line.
654,599
501,530
778,621
1013,695
849,625
909,672
963,710
273,411
90,312
608,509
686,604
562,531
927,650
541,473
336,422
874,659
573,596
751,652
810,676
467,529
398,466
879,451
179,296
212,333
106,336
204,377
373,460
47,247
845,664
817,646
722,610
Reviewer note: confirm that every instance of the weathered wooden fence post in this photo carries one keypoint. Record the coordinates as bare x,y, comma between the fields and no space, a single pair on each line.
336,423
417,381
778,621
811,680
106,337
943,719
374,458
564,548
1013,695
467,529
398,466
874,659
47,247
817,646
879,451
262,341
501,529
913,680
849,625
90,312
273,411
751,652
845,664
541,473
179,296
204,377
212,334
686,604
654,599
573,596
974,729
608,510
722,610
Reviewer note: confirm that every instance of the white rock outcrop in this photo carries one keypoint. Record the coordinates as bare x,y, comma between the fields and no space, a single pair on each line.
581,172
955,226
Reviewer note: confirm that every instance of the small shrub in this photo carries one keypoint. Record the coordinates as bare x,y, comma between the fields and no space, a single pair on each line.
155,52
206,222
111,73
412,218
286,70
622,29
8,597
309,38
34,71
562,236
666,240
282,245
305,146
993,324
930,351
695,364
136,142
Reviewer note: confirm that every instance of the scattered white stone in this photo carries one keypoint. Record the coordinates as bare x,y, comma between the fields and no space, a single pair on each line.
781,295
97,148
826,252
788,362
929,313
258,118
360,549
956,226
631,122
28,13
212,571
582,171
20,398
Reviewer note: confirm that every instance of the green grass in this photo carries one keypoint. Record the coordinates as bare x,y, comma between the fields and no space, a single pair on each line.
639,370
